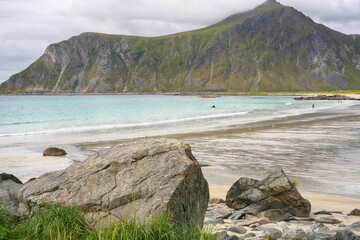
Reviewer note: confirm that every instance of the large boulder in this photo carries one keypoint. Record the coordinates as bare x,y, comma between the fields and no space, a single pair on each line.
9,186
274,192
142,178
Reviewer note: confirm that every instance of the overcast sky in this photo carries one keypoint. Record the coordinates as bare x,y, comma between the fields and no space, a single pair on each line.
27,27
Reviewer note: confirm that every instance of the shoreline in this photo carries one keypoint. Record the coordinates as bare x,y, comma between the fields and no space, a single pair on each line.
91,147
349,93
225,143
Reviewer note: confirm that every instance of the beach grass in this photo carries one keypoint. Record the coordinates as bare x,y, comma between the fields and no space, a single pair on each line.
66,223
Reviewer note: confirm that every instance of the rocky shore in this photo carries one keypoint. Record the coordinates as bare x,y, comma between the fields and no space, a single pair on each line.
149,176
323,225
328,97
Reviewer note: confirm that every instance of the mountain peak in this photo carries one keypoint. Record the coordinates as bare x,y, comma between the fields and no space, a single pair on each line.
268,3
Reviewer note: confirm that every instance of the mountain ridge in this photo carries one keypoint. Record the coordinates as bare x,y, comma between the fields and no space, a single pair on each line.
269,48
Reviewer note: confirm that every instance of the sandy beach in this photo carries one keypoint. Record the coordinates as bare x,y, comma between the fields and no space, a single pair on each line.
318,150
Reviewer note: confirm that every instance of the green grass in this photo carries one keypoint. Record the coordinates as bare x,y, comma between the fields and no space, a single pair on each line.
65,223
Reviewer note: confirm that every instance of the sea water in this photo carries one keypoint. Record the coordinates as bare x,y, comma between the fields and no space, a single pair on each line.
72,119
258,132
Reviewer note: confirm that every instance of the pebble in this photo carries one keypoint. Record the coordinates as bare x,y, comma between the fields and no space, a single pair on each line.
254,225
248,235
323,213
257,229
355,226
261,221
233,237
272,233
221,212
294,234
302,222
346,235
329,220
237,229
317,227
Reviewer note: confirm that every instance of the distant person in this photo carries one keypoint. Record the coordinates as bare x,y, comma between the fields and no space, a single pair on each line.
213,106
313,106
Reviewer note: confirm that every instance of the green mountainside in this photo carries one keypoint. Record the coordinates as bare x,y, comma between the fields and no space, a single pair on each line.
270,48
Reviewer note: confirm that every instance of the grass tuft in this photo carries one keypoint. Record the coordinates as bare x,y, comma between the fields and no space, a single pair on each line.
66,223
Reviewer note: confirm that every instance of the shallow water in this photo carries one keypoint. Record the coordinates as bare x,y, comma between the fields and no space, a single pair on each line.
321,156
244,136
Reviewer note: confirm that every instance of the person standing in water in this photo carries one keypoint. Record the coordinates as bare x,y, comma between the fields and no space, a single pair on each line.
313,106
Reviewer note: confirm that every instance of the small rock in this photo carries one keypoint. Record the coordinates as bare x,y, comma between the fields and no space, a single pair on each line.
272,233
355,212
306,223
237,215
257,229
248,235
320,236
322,213
254,225
355,226
6,176
283,225
261,221
216,200
295,234
342,226
53,151
237,229
233,237
219,221
304,219
220,212
346,235
9,187
317,228
328,220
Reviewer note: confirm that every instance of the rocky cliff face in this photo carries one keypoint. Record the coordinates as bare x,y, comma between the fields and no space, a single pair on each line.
271,48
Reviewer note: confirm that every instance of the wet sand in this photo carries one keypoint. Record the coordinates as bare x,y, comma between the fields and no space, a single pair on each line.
320,153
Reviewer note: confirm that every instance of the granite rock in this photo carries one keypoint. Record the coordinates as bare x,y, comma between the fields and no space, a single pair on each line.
274,192
9,186
53,151
147,176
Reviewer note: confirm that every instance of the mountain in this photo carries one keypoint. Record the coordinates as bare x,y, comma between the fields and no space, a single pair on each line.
270,48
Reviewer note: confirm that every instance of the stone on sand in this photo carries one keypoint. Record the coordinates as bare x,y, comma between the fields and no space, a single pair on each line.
147,176
328,220
53,151
274,192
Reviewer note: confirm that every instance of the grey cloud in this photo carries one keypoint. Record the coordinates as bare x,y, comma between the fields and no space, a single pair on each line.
341,15
29,26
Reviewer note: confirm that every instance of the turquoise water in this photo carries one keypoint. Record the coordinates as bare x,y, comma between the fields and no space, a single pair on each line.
241,136
71,119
